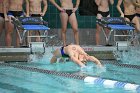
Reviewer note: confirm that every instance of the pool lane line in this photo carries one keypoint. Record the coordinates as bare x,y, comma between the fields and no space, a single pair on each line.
34,69
112,83
86,79
123,65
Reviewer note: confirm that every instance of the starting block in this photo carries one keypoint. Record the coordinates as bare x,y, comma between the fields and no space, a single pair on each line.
116,24
27,24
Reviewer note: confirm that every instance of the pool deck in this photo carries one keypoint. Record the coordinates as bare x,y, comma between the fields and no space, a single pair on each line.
21,54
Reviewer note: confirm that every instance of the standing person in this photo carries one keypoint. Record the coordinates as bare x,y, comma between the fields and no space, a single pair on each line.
15,10
129,12
67,14
103,11
3,14
35,10
76,54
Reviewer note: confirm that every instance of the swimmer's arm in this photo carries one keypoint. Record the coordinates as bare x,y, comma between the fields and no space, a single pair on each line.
111,2
55,4
98,2
95,60
74,59
119,8
45,7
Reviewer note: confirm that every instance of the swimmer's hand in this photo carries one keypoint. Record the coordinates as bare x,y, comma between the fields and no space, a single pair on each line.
6,19
100,65
74,9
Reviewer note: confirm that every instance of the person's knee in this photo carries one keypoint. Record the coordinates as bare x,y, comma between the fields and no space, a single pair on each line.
98,28
75,29
1,21
10,27
10,31
63,30
137,28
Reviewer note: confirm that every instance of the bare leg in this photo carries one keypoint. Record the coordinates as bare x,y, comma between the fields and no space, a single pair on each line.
18,42
74,24
1,25
9,30
38,38
98,29
137,24
64,20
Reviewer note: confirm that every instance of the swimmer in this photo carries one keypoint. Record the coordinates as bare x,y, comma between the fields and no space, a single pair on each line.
76,54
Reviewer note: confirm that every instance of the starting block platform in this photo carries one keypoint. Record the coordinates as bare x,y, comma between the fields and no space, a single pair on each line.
14,54
116,25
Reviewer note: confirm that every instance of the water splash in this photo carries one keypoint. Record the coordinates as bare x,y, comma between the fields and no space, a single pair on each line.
41,57
131,56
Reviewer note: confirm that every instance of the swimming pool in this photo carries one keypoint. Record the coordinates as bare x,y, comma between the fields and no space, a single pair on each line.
39,76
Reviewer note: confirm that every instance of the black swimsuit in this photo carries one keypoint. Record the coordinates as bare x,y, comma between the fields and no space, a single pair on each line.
138,14
2,15
16,13
69,11
35,15
130,17
62,52
104,14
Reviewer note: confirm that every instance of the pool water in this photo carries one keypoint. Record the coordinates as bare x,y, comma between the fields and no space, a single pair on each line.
15,80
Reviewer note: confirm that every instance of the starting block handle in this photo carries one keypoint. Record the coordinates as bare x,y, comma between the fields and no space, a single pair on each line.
102,23
17,23
45,23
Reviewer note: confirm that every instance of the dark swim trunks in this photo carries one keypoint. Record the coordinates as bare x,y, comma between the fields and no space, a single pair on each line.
130,17
2,15
104,14
62,52
16,13
69,11
138,14
35,15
